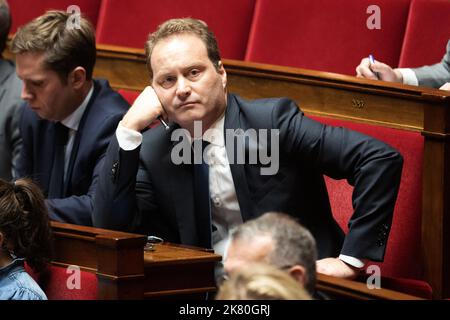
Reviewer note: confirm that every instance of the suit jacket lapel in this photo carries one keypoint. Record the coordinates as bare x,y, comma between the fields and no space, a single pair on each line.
233,121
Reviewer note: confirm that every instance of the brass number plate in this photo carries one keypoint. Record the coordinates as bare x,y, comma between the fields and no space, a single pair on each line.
357,103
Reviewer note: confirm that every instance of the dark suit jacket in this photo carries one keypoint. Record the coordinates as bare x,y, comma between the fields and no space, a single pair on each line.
10,113
159,196
98,123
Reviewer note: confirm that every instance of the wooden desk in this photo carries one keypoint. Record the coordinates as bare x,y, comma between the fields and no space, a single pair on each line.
116,258
174,270
125,271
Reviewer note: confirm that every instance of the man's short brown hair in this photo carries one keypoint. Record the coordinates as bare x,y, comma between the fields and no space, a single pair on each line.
65,46
5,24
293,243
183,26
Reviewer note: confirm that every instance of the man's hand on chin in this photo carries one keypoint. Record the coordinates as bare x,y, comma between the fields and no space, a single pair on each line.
337,268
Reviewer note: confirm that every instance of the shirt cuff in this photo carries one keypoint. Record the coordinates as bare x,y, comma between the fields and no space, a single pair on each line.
409,77
128,139
354,262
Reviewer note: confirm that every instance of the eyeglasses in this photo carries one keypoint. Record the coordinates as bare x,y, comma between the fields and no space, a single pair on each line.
151,241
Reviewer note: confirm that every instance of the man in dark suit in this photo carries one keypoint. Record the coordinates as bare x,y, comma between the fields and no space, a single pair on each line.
69,117
148,180
10,110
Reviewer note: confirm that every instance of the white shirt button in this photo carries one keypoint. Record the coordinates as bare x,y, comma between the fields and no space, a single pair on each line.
217,202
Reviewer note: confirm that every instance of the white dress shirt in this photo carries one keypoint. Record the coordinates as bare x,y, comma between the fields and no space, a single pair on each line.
409,77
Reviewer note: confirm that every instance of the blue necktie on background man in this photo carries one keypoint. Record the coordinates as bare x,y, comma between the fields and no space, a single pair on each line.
56,188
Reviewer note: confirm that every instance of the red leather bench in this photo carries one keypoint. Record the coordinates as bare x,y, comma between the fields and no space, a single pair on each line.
128,23
325,35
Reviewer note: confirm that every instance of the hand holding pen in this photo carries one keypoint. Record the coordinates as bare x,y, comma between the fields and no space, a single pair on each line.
369,68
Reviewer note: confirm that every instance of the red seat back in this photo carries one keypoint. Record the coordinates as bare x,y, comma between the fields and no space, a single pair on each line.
59,283
325,35
403,258
427,33
130,96
128,23
23,11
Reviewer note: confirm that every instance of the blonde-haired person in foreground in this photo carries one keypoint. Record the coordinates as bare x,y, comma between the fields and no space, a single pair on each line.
261,282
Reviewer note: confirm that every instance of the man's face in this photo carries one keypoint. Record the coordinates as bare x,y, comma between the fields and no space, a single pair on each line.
43,89
188,85
241,254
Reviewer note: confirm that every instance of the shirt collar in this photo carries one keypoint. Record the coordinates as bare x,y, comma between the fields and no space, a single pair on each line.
73,120
17,262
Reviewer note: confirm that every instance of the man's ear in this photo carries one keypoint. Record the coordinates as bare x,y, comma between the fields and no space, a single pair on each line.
223,74
2,238
77,78
298,273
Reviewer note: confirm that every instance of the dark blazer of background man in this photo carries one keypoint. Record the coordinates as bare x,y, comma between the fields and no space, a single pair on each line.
143,186
56,63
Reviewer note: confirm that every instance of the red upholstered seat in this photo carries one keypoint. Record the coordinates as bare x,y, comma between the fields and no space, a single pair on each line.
23,11
403,261
128,23
427,33
54,284
325,35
